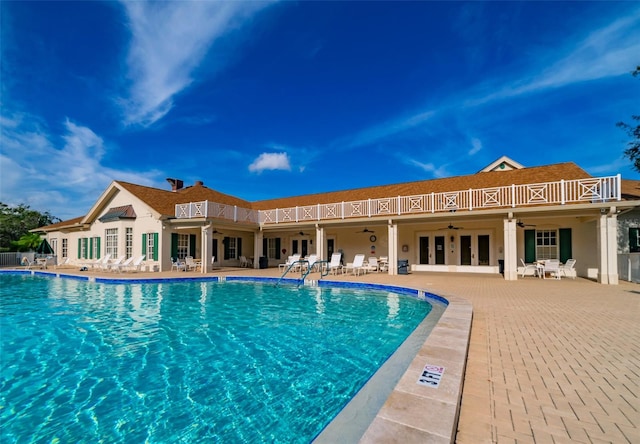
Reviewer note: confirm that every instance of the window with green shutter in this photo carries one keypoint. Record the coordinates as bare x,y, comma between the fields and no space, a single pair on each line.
634,240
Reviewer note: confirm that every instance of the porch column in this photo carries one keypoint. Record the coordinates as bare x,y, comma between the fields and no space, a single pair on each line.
607,228
257,248
510,250
206,249
320,243
393,248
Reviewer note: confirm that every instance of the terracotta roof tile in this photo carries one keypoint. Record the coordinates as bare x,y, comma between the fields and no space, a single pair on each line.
630,189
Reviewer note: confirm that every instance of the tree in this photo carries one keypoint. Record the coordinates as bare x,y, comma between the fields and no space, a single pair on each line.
28,242
633,146
16,222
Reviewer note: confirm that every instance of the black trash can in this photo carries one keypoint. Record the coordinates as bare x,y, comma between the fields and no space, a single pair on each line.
263,262
501,266
403,266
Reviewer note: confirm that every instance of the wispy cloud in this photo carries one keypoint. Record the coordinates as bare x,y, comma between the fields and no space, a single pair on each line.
607,52
476,146
169,41
270,161
61,174
432,169
387,129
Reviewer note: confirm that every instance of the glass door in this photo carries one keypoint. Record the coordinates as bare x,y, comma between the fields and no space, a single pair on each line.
424,250
440,249
465,250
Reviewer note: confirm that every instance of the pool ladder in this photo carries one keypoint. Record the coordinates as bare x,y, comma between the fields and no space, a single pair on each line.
322,266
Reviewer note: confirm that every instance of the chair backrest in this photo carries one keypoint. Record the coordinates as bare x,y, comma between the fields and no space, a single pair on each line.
523,262
551,264
335,259
188,260
139,260
129,261
313,258
570,264
213,260
295,258
373,261
105,259
358,260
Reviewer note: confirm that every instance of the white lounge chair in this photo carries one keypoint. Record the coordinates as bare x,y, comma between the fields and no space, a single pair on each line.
356,266
120,266
108,266
334,264
568,269
290,261
528,267
311,262
244,262
189,262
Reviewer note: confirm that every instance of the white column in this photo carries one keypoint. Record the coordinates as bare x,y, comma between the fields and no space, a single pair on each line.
510,250
320,247
607,230
257,248
206,249
393,248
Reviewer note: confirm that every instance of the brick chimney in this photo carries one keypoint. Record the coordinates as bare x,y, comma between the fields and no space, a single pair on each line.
176,184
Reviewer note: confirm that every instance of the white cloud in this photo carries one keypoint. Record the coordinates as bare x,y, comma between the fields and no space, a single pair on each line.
60,174
430,168
169,41
387,129
476,145
271,161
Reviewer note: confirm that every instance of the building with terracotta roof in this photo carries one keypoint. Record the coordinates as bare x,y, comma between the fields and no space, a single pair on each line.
487,222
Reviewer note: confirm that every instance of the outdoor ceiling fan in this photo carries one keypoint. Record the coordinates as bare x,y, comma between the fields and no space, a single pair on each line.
522,224
302,233
366,230
215,231
451,227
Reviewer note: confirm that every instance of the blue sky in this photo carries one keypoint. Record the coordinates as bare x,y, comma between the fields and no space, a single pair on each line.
269,99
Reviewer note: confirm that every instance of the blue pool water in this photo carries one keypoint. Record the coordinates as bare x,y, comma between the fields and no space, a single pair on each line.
187,361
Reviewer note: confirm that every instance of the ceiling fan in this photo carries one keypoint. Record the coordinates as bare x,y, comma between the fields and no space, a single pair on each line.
522,224
215,231
451,227
302,233
366,230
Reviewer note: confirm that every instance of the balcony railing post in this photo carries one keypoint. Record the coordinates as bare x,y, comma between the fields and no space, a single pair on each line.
369,204
399,208
235,213
296,213
513,195
618,186
342,211
318,212
470,199
433,202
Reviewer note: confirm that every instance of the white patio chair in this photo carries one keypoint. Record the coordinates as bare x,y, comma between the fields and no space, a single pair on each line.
528,267
552,267
568,269
178,265
356,266
372,264
334,264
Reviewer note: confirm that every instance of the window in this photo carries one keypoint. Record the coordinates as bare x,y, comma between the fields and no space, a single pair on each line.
128,242
151,246
54,245
111,240
232,252
95,248
65,247
183,245
546,244
634,240
272,247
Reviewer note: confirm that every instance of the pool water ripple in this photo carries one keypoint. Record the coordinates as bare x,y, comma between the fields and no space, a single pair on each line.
188,361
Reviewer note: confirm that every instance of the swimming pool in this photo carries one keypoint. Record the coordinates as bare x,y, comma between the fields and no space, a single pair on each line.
188,361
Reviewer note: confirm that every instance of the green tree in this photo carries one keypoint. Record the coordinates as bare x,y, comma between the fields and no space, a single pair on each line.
28,242
633,146
16,222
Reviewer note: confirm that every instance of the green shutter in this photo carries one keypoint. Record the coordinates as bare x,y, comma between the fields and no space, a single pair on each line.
91,248
174,245
277,248
192,245
634,240
144,244
225,244
86,247
79,247
565,244
155,246
98,246
529,246
265,247
239,242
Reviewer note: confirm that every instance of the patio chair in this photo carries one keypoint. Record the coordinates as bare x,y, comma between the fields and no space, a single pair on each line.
372,264
311,262
356,266
528,267
120,266
113,265
568,269
178,265
190,264
335,265
383,263
552,267
136,265
244,262
290,261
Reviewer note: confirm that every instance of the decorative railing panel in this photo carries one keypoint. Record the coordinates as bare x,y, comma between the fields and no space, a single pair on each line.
602,189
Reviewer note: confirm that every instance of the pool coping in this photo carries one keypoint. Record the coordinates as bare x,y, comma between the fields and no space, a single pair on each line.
413,412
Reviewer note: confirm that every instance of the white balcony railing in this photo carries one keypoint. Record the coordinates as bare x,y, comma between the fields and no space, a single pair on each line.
601,189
